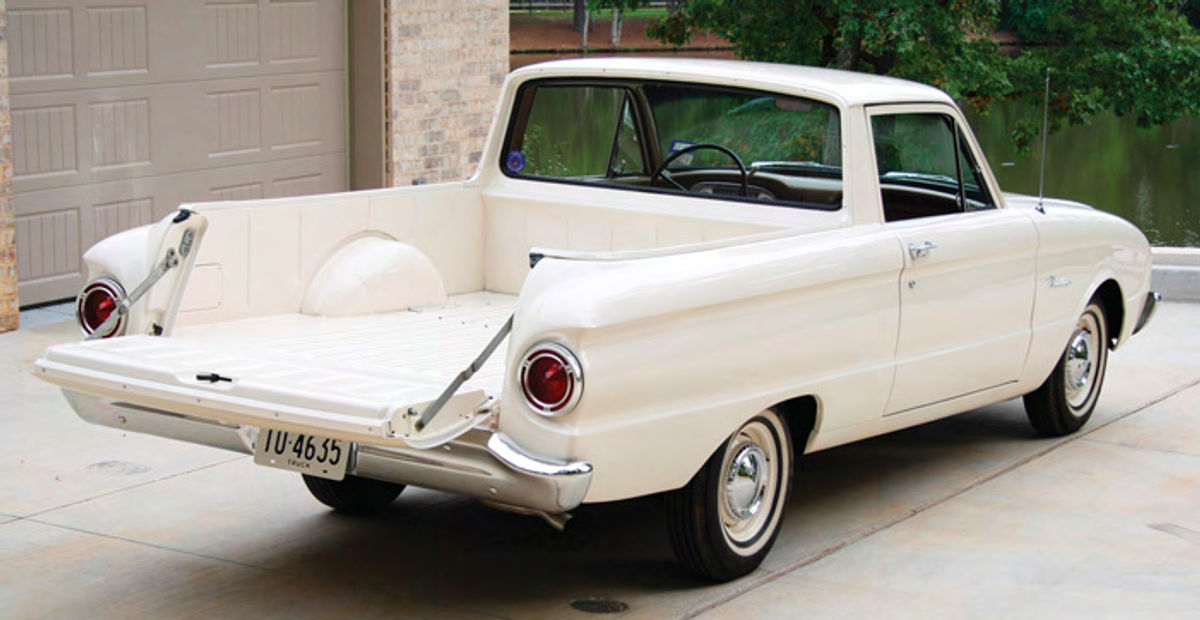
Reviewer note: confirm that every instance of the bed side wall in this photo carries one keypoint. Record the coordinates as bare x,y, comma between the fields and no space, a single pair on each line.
258,257
523,214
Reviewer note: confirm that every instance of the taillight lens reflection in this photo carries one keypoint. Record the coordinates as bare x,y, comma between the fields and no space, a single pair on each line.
551,379
96,304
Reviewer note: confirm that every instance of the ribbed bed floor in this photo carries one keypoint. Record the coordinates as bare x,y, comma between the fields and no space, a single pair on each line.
436,341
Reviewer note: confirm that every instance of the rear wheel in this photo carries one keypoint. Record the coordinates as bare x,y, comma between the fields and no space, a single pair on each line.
352,494
1065,401
723,523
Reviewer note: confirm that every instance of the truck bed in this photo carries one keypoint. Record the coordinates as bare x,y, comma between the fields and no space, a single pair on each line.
436,341
355,378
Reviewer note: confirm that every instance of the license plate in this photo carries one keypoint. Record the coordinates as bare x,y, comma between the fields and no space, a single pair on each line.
302,452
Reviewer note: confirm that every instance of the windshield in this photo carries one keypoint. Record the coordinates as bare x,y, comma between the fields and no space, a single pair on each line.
785,134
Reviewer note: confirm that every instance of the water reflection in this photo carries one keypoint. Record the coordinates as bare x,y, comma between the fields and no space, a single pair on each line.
1147,176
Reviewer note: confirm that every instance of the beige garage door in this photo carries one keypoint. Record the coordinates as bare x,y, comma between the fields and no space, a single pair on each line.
123,110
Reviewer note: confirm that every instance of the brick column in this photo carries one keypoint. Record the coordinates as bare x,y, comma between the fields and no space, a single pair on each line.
446,62
8,244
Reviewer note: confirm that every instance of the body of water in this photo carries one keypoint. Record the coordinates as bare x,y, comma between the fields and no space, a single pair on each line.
1150,177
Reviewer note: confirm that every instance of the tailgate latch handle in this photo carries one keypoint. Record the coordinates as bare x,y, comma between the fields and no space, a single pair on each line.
212,377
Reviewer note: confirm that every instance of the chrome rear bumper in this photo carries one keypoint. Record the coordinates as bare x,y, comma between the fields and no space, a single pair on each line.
1148,309
481,464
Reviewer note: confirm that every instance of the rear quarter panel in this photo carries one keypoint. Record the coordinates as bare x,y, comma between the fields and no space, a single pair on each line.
678,351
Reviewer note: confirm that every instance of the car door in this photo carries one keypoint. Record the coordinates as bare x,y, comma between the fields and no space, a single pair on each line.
966,290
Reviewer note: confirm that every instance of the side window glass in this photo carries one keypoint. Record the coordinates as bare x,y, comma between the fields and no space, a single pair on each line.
978,198
925,168
627,150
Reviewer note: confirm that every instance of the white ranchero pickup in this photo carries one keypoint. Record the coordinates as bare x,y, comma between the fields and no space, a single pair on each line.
667,276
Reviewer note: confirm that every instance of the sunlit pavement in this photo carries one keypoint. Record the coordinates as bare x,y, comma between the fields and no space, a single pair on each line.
970,516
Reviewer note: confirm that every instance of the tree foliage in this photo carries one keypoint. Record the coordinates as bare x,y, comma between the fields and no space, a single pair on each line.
1133,57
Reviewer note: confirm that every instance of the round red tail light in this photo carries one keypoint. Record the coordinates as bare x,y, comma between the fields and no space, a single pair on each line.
551,379
96,303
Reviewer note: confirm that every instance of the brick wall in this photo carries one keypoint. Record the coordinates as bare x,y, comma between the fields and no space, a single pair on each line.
8,245
446,62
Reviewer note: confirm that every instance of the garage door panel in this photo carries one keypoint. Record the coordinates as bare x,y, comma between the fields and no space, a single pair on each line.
41,44
47,246
46,136
122,110
112,44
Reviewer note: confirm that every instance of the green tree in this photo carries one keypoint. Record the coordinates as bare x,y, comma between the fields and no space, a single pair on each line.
1133,57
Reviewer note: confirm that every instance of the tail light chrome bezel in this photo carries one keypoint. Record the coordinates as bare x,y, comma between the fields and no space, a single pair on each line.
574,370
108,287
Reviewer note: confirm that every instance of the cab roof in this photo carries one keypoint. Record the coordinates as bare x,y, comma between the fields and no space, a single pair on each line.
846,87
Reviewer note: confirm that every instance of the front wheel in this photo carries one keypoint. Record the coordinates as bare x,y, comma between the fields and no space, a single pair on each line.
1065,401
352,494
723,523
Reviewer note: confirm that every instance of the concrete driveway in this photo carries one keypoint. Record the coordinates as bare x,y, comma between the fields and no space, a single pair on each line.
970,516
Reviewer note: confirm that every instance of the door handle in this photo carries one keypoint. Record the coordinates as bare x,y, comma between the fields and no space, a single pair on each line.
918,250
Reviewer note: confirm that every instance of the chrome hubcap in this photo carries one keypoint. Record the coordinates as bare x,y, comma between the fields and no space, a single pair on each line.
1079,369
749,486
746,482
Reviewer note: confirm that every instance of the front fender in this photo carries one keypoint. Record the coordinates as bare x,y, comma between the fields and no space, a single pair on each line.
1079,250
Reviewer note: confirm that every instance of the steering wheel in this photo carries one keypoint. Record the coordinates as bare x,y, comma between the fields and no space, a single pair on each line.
661,170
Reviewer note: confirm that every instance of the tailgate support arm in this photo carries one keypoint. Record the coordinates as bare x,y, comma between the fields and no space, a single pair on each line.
166,264
436,406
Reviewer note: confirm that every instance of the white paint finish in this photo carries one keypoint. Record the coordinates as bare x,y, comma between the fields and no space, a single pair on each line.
964,323
269,251
688,346
344,377
372,275
524,214
688,314
170,101
205,290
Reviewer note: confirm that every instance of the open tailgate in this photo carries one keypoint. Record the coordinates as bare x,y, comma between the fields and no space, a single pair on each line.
250,386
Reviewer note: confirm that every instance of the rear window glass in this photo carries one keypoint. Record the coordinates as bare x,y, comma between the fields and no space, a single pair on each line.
680,138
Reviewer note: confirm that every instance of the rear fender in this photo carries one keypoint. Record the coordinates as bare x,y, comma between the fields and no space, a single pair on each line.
130,256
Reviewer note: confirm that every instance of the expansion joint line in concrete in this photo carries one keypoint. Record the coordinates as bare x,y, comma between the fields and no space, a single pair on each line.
753,583
129,488
214,558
